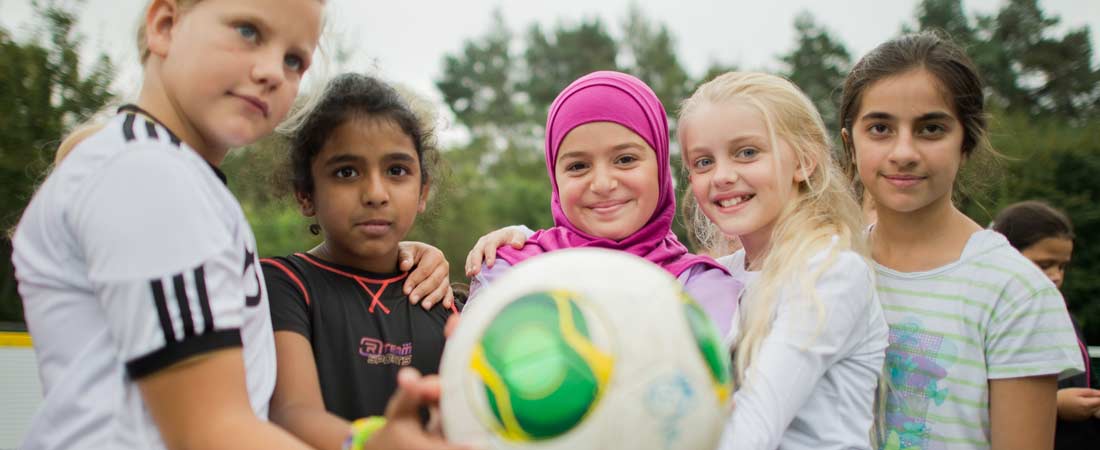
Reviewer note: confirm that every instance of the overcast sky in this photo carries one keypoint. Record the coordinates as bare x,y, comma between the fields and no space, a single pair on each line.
405,41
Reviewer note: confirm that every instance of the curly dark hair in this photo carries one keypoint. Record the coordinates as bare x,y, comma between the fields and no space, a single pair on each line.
346,97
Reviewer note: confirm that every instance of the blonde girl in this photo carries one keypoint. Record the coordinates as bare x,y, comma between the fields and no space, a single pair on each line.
809,336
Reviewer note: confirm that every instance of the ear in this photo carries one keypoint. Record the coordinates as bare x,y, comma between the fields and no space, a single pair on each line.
422,204
160,19
305,204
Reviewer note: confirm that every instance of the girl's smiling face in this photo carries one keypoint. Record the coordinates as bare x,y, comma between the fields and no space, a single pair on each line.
607,180
908,142
741,179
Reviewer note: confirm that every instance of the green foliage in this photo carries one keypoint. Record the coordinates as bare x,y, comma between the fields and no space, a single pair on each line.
1046,159
818,65
47,93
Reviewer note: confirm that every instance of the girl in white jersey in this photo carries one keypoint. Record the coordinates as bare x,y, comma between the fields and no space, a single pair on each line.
809,336
978,335
137,268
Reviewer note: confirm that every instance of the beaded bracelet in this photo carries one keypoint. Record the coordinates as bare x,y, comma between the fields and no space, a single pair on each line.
362,430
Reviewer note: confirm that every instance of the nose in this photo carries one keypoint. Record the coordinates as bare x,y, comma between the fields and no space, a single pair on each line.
267,68
603,180
904,152
724,174
374,191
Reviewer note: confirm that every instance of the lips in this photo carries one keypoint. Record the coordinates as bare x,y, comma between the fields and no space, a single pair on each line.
607,207
903,180
374,227
260,105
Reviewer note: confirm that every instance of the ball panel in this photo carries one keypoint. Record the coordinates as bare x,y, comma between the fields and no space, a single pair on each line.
710,346
542,374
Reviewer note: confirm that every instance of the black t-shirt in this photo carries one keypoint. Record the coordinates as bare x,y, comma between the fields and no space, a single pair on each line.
360,325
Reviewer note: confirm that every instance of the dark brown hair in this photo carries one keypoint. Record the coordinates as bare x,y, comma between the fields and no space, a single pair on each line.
1028,222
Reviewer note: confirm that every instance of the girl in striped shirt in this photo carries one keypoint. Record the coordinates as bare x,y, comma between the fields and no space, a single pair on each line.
978,335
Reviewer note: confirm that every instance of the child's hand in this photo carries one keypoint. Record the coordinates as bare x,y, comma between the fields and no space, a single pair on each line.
403,429
430,280
485,250
1077,404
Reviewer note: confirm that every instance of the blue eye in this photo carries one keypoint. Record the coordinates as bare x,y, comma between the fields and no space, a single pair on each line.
747,153
248,32
703,163
294,63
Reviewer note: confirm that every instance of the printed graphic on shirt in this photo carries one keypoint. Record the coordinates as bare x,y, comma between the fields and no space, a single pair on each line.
384,353
918,363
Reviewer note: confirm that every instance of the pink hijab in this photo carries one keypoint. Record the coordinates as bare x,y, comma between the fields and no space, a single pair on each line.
607,96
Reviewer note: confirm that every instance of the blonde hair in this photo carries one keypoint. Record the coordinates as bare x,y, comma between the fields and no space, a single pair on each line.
822,209
75,137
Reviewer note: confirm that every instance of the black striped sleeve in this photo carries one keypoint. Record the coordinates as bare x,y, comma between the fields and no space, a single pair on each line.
182,338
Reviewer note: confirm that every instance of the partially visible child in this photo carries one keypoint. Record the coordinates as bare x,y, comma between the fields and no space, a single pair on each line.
978,335
809,338
360,164
137,267
607,153
1044,235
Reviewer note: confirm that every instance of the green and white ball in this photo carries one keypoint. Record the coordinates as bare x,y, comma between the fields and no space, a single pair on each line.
585,348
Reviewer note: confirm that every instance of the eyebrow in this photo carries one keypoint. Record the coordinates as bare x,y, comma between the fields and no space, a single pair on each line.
399,156
878,115
343,158
739,140
581,153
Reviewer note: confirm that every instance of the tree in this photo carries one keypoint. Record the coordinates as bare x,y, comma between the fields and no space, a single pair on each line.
480,85
1047,159
1032,71
556,59
946,16
818,65
650,53
51,92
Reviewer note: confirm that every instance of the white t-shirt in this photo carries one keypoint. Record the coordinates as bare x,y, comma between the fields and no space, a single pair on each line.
990,315
131,257
812,384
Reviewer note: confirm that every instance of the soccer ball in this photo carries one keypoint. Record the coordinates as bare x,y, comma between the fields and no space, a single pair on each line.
585,348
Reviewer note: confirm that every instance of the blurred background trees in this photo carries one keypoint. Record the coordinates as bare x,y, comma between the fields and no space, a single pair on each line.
1043,90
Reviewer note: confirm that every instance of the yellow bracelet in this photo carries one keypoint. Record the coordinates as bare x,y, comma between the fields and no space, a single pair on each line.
362,430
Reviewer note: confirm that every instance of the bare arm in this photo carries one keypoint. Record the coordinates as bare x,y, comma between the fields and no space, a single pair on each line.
297,404
202,403
1022,412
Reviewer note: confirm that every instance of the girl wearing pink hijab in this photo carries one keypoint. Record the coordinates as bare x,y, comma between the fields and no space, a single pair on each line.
608,159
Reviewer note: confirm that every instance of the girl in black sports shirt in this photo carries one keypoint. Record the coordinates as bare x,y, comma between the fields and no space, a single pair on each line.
343,326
